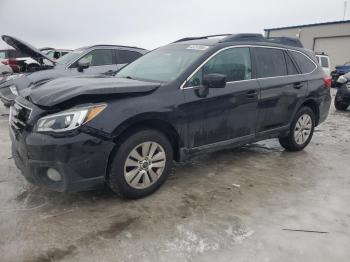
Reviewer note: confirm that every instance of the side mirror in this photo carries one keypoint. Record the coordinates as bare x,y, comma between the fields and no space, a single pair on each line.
214,81
82,66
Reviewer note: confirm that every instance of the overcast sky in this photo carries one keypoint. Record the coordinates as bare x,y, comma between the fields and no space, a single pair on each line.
151,23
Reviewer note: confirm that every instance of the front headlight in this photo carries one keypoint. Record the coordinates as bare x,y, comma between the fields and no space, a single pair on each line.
69,119
13,90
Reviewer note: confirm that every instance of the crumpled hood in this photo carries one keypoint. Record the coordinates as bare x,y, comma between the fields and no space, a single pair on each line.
63,89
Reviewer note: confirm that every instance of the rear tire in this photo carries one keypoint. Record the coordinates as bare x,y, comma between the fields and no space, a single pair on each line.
301,130
339,105
141,164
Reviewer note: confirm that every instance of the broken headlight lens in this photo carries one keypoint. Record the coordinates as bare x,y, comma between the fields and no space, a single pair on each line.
69,119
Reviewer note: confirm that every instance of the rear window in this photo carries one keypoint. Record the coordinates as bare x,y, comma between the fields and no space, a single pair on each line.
292,70
324,61
270,62
126,56
305,64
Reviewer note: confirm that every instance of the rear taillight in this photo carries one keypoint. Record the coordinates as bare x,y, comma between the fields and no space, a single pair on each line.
10,62
327,81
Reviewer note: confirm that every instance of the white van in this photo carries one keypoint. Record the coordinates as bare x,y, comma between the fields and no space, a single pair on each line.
324,62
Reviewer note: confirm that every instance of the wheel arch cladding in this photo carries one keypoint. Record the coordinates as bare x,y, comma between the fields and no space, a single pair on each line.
311,103
130,127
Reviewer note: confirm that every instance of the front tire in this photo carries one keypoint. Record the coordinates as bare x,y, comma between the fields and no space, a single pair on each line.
339,105
301,130
141,164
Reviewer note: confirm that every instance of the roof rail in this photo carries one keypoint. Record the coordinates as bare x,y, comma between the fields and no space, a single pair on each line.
243,37
260,38
199,37
126,46
295,42
286,41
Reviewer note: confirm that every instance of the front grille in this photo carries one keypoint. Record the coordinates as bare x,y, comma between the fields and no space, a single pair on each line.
19,116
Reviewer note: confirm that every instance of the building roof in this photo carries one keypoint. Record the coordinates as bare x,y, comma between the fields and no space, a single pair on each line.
309,25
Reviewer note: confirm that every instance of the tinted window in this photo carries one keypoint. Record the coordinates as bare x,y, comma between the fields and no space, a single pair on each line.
305,64
126,56
292,70
270,62
234,63
97,58
324,61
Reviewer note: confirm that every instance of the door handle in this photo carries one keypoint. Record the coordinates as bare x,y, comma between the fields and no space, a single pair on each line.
298,85
252,93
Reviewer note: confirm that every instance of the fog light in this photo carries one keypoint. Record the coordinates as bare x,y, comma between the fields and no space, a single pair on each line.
53,174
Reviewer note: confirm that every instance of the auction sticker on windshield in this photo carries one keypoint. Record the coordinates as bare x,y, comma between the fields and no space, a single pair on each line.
198,47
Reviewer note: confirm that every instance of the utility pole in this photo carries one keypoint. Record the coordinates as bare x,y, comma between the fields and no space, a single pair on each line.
345,7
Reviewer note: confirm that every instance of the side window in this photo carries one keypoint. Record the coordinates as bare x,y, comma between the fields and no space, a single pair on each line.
126,56
324,61
234,63
97,58
305,64
270,62
291,69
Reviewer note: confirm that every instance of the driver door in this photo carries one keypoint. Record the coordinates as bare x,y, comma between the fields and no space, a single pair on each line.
223,114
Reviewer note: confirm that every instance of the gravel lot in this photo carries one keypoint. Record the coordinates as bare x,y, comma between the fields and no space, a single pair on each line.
232,205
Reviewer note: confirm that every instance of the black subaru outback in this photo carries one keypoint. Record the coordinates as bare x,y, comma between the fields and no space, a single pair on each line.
194,95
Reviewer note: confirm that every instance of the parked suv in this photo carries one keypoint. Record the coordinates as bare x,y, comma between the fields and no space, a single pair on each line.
97,59
324,62
339,71
194,95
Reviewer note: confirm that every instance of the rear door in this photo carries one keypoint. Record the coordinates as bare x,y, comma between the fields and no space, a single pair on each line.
281,87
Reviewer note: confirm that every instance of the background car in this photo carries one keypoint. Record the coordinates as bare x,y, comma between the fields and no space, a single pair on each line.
339,71
24,57
324,62
13,59
342,98
90,60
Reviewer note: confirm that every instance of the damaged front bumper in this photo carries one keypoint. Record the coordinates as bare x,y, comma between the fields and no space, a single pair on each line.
81,160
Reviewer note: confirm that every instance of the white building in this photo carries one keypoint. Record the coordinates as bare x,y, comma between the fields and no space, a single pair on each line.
332,38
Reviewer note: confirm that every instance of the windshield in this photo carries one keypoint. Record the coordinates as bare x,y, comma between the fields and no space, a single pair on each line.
69,57
163,64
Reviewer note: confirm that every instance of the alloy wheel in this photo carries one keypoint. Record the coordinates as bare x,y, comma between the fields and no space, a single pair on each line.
144,165
303,129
